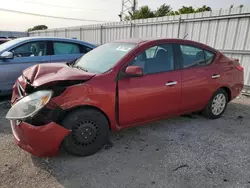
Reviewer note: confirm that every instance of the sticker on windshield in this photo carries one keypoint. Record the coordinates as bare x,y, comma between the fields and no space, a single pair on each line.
122,48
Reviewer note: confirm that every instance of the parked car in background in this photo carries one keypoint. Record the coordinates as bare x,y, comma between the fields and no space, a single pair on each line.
12,37
19,54
115,86
4,39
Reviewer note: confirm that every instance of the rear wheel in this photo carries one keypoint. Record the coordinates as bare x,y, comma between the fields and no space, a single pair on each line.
89,132
217,104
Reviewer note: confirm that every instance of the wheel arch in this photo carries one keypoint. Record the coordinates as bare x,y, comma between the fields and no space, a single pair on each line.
228,91
89,107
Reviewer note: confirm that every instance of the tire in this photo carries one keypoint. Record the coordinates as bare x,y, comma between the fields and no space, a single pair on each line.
210,110
89,132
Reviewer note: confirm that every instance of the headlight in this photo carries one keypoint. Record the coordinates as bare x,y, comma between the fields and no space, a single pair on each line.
29,105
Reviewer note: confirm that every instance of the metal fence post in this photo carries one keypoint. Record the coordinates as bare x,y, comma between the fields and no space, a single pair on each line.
131,30
80,33
179,27
101,34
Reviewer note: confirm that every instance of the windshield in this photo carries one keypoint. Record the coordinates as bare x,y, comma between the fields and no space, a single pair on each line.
8,44
104,57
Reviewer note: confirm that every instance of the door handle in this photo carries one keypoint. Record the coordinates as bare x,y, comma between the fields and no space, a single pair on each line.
171,83
216,76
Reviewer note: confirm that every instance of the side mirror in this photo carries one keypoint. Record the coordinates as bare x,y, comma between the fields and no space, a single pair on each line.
7,55
134,71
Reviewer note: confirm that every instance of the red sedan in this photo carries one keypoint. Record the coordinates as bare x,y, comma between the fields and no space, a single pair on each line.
115,86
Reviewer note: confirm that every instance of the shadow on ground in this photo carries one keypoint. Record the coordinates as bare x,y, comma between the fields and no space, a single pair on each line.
4,107
178,152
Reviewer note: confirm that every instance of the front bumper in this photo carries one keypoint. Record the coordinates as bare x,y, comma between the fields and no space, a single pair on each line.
41,141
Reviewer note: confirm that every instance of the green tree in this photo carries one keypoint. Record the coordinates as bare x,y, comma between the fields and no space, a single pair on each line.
163,10
38,27
186,10
172,13
190,9
143,12
203,9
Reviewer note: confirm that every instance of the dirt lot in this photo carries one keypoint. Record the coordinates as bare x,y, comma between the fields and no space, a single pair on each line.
178,152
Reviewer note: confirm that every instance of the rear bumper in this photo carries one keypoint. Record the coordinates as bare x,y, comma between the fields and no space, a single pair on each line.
41,141
236,91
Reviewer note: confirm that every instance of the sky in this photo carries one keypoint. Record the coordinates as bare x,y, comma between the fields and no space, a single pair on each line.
101,10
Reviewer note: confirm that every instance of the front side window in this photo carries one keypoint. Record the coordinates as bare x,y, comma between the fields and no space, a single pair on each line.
31,49
156,59
65,48
194,56
104,57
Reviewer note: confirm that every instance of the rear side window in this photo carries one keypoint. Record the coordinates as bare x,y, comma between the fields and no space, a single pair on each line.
194,56
65,48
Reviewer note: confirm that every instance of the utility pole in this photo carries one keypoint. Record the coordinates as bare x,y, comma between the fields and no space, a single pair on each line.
128,6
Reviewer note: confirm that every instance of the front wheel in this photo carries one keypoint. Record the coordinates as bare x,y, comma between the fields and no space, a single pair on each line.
89,132
217,105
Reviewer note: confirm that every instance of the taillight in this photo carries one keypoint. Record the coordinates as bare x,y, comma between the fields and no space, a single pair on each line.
239,67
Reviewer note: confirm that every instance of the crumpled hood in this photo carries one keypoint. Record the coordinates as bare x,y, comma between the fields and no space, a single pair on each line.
41,74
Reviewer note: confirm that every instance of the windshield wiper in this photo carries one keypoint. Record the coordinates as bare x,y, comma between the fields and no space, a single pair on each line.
71,63
81,68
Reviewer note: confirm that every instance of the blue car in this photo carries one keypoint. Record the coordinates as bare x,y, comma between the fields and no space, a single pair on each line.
19,54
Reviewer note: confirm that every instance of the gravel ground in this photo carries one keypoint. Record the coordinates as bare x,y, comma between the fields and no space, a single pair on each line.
178,152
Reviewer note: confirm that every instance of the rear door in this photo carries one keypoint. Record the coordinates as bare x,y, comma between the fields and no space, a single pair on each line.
25,55
65,51
154,95
200,76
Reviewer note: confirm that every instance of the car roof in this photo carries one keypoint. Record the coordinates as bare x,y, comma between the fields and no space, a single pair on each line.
144,40
55,38
149,39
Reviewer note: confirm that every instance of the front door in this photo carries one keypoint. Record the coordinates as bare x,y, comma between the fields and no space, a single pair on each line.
25,55
154,95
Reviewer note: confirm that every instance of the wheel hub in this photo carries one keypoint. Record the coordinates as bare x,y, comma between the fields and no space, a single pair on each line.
85,133
218,104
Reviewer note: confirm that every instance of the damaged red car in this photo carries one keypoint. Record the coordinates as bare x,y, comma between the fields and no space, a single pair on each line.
115,86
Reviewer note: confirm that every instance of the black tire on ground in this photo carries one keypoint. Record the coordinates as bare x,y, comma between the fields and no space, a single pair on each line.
89,132
208,112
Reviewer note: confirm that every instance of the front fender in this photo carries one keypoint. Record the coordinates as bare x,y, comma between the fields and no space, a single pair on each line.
85,95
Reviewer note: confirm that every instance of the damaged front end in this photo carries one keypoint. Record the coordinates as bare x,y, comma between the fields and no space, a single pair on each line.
41,83
49,112
35,118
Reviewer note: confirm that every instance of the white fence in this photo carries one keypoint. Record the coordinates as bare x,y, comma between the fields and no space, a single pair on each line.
226,30
13,33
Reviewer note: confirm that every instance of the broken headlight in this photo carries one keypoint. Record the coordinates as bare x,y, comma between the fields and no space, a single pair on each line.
29,105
